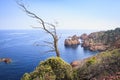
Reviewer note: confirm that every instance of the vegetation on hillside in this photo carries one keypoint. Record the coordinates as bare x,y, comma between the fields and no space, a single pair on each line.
93,68
103,64
52,69
106,37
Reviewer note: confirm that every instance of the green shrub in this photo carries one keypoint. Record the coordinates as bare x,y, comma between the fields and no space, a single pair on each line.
26,76
52,69
91,61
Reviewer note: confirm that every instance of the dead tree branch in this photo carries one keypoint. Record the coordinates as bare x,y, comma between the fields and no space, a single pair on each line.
44,26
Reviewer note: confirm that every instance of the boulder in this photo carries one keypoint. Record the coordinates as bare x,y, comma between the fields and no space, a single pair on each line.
74,63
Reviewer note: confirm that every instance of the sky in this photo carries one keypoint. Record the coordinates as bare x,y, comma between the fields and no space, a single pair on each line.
70,14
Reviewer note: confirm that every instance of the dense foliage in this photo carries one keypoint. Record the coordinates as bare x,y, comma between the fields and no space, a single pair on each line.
52,69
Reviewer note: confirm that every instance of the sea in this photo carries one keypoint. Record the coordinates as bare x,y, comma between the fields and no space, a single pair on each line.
27,49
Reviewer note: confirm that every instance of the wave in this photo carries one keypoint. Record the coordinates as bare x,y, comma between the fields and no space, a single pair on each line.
5,40
13,38
17,33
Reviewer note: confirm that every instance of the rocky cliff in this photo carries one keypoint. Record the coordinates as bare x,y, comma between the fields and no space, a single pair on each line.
103,40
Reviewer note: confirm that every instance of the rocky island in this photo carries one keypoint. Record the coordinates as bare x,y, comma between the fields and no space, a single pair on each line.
72,41
6,60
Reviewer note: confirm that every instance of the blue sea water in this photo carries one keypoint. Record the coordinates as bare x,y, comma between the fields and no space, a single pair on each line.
19,45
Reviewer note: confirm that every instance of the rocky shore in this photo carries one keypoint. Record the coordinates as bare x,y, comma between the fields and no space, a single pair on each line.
96,41
101,41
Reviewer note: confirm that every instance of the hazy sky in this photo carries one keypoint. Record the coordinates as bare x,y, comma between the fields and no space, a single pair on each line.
70,14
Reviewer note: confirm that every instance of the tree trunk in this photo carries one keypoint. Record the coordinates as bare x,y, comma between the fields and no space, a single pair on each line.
56,46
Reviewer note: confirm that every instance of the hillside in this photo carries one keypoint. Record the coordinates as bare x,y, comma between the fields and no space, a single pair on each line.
103,66
102,40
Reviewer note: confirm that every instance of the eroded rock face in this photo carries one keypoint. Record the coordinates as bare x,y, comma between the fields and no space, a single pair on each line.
71,41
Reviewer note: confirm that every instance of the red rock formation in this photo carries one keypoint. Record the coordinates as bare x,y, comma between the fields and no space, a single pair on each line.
84,36
71,41
91,41
94,46
98,47
74,63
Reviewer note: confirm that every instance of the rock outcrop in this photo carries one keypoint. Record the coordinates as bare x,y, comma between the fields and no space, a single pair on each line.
75,63
101,41
84,36
94,46
6,60
72,41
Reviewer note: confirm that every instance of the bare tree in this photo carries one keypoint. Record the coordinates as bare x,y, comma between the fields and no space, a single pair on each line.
47,27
